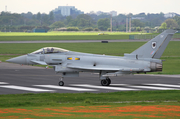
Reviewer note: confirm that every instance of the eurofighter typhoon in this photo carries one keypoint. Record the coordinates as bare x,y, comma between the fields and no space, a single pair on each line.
70,63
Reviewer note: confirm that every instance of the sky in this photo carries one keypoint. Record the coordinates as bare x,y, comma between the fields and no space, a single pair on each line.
121,6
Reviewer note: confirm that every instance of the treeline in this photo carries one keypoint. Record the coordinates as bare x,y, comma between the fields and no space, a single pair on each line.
84,22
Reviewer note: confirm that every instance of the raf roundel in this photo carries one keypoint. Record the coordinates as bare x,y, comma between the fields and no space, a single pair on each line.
153,45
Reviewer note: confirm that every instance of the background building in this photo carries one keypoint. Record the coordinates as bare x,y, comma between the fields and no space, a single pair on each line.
99,13
113,13
67,10
140,18
40,30
170,15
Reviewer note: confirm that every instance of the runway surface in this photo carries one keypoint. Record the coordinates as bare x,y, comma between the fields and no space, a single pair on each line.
17,79
81,41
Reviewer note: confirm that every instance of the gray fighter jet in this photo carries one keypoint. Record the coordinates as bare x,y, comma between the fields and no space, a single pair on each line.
69,63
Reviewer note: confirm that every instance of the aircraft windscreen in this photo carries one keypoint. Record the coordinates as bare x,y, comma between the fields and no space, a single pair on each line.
48,50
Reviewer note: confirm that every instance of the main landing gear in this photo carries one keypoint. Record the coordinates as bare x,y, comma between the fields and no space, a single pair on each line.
61,83
106,82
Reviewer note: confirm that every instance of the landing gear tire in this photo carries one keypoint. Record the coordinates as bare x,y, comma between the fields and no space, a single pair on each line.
61,83
109,80
105,82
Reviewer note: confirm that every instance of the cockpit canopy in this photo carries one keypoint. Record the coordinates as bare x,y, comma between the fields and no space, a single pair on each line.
49,50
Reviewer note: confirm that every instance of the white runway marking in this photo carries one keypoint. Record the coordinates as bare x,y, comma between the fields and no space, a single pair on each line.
25,88
65,88
166,85
146,87
120,84
170,76
104,87
3,83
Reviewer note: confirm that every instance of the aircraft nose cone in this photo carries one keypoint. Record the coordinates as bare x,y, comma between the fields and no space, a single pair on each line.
18,60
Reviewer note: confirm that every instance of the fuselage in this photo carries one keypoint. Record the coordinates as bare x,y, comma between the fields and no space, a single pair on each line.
87,61
69,61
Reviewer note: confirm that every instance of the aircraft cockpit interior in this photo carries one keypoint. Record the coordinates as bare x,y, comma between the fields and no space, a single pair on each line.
49,50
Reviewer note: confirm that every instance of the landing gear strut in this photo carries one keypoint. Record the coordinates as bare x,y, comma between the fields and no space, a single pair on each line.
61,83
106,82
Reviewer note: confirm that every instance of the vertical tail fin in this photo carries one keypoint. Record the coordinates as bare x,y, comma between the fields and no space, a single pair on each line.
156,46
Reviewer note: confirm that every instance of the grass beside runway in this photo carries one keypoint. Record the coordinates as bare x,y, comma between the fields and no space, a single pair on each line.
115,48
58,99
96,48
171,54
129,104
67,33
64,37
15,36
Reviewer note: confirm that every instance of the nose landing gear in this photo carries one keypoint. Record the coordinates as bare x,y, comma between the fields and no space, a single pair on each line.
61,83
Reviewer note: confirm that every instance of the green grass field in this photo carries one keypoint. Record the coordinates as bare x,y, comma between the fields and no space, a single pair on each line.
57,99
128,105
63,37
65,33
16,36
8,36
118,48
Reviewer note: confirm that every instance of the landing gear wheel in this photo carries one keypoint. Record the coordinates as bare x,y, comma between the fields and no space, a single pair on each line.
109,80
104,82
61,83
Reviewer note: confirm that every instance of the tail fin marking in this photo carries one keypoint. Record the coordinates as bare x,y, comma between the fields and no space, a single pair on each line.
156,46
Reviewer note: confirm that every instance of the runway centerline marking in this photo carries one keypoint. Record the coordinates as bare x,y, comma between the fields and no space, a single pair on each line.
103,87
146,87
65,88
4,83
166,85
25,88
